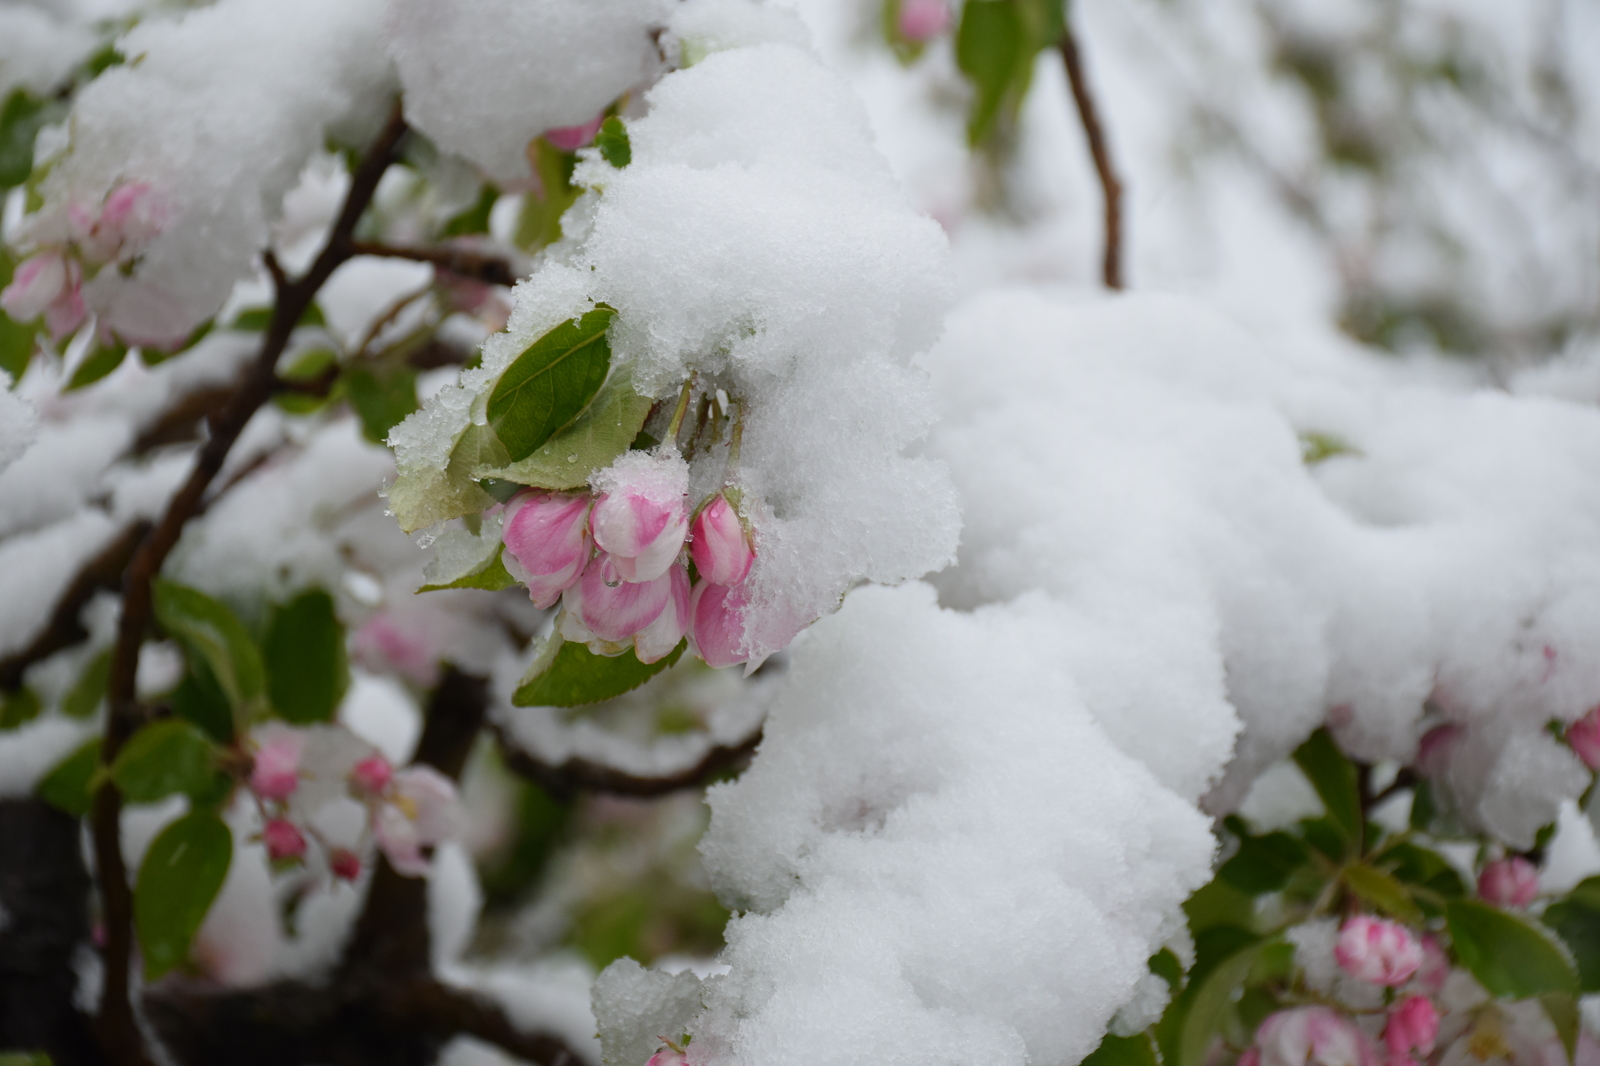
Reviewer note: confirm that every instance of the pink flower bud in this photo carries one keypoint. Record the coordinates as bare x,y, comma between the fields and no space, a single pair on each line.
571,138
1435,749
420,812
667,1056
386,643
656,640
639,517
1584,736
719,547
1378,951
716,615
345,864
133,215
1313,1036
548,536
1251,1057
1509,882
1435,968
276,773
38,282
923,20
283,840
371,775
1412,1027
614,609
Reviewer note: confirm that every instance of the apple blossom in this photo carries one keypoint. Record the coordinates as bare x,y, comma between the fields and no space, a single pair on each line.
138,312
923,20
719,545
1435,748
132,216
1378,951
1584,736
614,609
547,535
1435,969
1312,1036
639,517
344,863
372,775
667,1056
571,138
276,773
383,645
418,811
1412,1027
49,284
1509,882
656,640
715,613
283,839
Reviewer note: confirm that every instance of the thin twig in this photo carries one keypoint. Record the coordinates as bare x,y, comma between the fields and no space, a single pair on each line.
118,1030
1100,152
462,262
581,775
457,1010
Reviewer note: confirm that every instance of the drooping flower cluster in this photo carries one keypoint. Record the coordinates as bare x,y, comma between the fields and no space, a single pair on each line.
74,246
406,810
615,559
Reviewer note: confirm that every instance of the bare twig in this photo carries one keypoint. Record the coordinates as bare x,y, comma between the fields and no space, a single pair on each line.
456,1010
118,1031
463,262
582,775
1100,152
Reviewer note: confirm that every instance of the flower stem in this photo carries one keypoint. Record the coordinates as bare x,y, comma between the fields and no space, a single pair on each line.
682,409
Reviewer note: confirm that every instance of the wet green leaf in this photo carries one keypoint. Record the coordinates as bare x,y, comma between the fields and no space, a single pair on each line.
207,628
18,708
1334,778
304,654
181,874
162,759
85,696
551,383
1509,955
492,575
67,786
612,140
382,397
568,674
604,431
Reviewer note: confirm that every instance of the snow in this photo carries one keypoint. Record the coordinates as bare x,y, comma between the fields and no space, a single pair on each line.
18,426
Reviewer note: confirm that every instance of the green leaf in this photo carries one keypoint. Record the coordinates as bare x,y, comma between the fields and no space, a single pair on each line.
257,319
604,431
991,50
1317,447
540,221
551,383
164,758
1334,778
1165,965
1209,999
382,397
612,140
1136,1050
1381,891
1576,919
21,117
181,874
492,575
1414,865
67,786
1509,956
568,674
18,708
102,361
1562,1010
208,629
85,696
423,496
199,699
304,653
1263,863
474,219
24,1058
1423,807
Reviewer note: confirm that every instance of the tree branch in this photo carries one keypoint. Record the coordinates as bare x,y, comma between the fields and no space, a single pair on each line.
456,1011
1100,152
463,262
582,775
117,1028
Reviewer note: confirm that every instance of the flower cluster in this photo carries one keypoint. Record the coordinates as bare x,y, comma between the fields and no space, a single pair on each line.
407,810
616,561
78,244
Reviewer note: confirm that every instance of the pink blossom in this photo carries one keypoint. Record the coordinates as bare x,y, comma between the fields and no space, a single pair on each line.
283,840
547,535
1412,1027
656,640
716,615
613,609
641,530
1584,736
418,812
139,312
276,773
1313,1036
46,284
923,20
383,645
1435,969
667,1056
1251,1057
719,547
1509,882
371,775
345,864
1435,749
133,215
1379,951
571,138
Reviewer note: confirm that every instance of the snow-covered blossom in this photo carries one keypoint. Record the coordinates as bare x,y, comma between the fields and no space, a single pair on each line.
719,544
714,619
48,284
132,215
667,1056
1435,748
385,643
418,811
1311,1036
547,536
571,138
639,517
1584,737
283,839
1411,1029
1378,951
923,20
276,773
1509,882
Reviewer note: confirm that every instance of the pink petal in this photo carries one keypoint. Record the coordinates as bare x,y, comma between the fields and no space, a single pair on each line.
655,641
571,138
720,549
37,283
615,609
923,20
548,536
717,617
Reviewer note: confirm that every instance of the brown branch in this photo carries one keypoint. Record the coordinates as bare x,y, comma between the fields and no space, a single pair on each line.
459,1011
118,1030
578,774
1100,152
463,262
180,423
